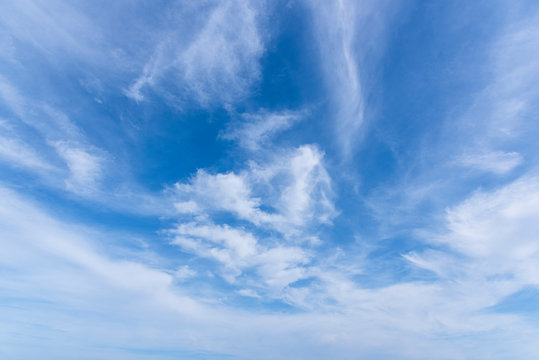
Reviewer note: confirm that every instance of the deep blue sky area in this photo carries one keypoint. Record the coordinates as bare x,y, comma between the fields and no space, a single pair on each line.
293,179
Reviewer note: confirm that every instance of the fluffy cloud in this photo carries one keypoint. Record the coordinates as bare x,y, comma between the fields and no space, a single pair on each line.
238,250
220,192
288,193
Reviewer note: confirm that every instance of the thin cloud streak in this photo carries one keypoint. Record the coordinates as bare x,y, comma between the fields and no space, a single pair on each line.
350,36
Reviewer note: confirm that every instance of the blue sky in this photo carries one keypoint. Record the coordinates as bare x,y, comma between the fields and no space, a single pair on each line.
269,179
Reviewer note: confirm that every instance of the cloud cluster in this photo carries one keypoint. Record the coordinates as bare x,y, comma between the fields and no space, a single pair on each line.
74,278
256,218
288,193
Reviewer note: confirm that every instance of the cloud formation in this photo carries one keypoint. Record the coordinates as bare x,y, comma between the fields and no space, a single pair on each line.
294,187
256,131
219,63
243,179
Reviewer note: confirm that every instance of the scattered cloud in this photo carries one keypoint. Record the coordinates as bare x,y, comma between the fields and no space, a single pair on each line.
496,162
184,273
19,154
11,97
256,131
231,30
290,194
239,251
350,36
294,187
264,248
85,168
489,250
54,29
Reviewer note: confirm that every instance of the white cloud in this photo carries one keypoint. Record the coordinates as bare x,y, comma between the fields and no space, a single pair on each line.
308,194
85,168
350,36
281,266
53,27
149,74
57,132
67,284
249,293
58,126
75,291
502,112
11,97
20,154
233,247
221,192
7,48
238,250
494,161
184,273
491,243
233,34
337,34
72,297
218,64
290,192
58,142
499,229
511,96
256,130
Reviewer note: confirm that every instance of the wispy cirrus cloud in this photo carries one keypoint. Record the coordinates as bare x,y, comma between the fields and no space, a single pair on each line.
18,153
506,104
53,28
59,136
256,130
350,36
232,30
491,136
496,234
43,141
496,162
